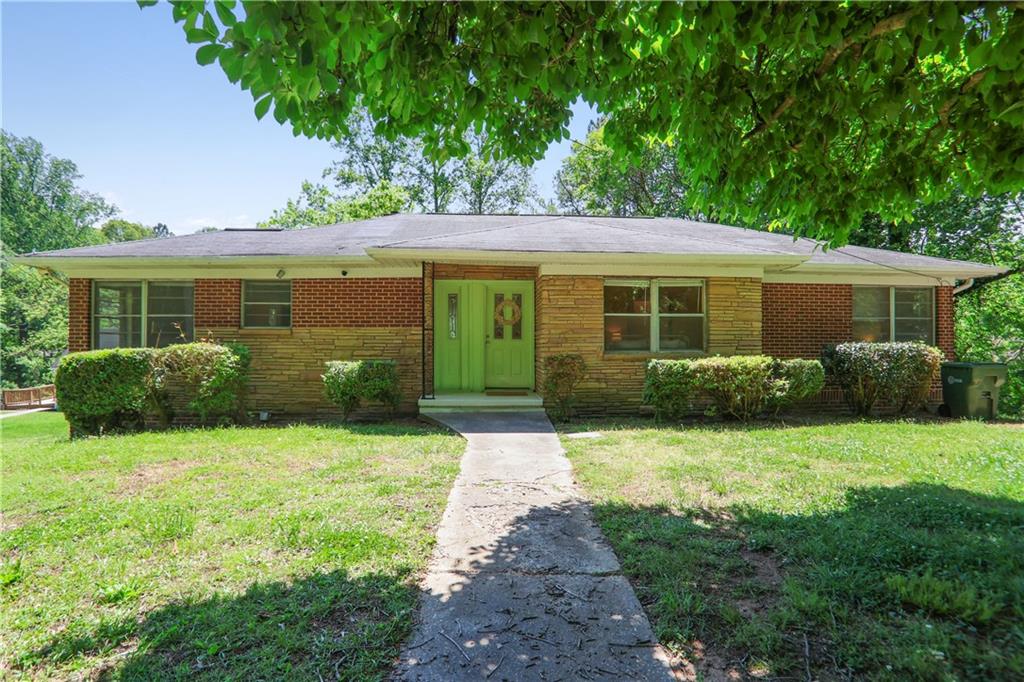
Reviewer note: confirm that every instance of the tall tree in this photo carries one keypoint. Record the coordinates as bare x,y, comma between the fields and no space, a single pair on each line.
591,180
318,205
808,113
491,184
41,208
118,230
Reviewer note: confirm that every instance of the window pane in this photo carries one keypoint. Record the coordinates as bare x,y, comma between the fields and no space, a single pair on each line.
626,299
871,330
163,331
913,303
169,299
517,328
627,333
267,315
681,333
870,302
680,299
118,332
119,299
453,316
914,330
268,292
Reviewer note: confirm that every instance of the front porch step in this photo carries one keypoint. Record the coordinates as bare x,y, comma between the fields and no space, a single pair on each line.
481,402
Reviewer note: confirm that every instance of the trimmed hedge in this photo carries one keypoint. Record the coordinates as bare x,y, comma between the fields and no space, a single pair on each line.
804,380
349,383
668,387
901,371
104,391
212,378
562,375
740,387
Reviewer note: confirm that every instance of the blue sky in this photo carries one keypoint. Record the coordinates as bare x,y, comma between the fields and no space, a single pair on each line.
117,90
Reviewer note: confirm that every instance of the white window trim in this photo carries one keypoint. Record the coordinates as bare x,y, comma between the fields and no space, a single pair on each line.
143,315
653,286
243,303
891,319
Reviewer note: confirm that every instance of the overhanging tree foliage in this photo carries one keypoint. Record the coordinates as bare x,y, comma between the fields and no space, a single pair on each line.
811,114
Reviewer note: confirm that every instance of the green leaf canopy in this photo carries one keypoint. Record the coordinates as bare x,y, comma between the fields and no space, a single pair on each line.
811,114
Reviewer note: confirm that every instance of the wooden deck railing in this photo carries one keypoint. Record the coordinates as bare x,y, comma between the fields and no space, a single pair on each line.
25,398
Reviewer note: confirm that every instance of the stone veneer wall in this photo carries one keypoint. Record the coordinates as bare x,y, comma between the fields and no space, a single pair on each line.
570,319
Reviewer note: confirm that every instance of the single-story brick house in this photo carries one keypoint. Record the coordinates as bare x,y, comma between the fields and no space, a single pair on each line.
471,305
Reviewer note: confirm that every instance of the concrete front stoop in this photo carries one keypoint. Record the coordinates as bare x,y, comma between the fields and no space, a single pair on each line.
522,585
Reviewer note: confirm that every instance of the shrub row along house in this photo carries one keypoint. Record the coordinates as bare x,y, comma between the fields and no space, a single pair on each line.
470,306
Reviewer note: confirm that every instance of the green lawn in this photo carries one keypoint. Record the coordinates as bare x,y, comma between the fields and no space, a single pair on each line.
250,553
887,550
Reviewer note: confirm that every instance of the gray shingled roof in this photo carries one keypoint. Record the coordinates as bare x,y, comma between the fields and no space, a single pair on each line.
502,233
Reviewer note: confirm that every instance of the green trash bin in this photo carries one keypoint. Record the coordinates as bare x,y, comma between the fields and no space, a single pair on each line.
971,389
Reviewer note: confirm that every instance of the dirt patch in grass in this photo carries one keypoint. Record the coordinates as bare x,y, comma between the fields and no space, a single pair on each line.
149,475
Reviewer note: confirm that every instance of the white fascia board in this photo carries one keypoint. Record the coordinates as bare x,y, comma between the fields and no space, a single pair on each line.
683,270
228,267
878,274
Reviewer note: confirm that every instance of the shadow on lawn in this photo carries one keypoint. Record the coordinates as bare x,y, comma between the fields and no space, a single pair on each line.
918,580
329,625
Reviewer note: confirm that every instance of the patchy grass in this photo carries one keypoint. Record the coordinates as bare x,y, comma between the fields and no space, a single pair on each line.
888,550
250,553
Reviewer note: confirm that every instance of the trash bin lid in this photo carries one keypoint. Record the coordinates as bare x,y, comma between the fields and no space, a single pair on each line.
974,364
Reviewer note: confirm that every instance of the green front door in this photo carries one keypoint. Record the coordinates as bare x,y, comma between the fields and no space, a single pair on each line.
508,358
483,335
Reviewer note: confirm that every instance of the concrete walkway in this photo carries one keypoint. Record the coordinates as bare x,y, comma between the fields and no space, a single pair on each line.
522,586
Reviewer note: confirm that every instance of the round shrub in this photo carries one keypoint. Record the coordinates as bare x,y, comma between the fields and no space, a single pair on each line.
804,379
563,374
208,379
349,383
741,386
668,387
901,372
104,391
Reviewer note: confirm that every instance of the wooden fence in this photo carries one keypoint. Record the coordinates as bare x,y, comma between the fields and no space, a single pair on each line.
25,398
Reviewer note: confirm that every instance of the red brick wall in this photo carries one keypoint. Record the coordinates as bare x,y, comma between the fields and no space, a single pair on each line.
945,321
79,307
218,304
798,320
359,302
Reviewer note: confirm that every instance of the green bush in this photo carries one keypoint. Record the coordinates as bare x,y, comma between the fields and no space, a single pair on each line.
668,387
804,379
212,379
902,372
104,391
349,383
741,386
562,376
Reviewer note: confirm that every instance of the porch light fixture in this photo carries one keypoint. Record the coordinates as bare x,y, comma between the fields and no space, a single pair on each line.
280,274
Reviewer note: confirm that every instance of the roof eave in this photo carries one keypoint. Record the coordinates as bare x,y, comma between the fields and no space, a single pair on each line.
386,254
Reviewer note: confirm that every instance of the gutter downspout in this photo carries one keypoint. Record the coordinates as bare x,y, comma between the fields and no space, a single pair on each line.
963,287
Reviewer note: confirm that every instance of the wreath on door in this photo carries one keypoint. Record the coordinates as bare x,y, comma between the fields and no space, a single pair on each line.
499,312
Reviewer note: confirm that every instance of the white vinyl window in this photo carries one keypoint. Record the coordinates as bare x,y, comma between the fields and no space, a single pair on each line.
654,315
150,313
894,314
267,304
